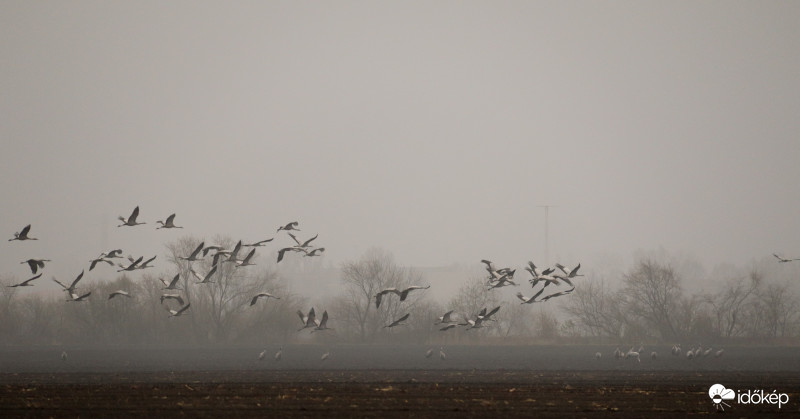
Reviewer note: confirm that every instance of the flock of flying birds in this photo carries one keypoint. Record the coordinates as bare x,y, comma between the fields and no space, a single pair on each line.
220,255
498,278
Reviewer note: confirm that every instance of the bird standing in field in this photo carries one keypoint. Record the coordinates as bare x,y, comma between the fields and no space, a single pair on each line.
131,220
23,234
279,354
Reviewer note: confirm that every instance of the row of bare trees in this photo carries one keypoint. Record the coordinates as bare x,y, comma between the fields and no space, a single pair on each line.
650,304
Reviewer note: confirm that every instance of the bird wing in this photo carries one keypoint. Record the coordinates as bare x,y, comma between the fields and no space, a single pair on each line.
75,282
574,271
564,278
34,266
491,313
253,301
306,243
404,294
302,317
311,317
172,296
35,277
114,253
25,231
170,219
82,297
210,274
196,275
134,214
197,250
282,252
249,256
446,317
324,321
378,298
174,281
294,238
562,268
59,283
184,308
96,261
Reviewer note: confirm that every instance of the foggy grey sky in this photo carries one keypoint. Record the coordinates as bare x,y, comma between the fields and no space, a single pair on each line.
434,130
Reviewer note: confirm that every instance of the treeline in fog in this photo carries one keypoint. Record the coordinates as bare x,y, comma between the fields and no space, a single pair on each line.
652,302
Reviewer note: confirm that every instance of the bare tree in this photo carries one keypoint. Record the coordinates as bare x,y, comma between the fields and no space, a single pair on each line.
778,309
597,309
375,271
729,303
216,306
8,308
653,293
471,298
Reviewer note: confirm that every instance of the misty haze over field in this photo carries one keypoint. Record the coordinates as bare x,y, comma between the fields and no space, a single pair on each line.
436,131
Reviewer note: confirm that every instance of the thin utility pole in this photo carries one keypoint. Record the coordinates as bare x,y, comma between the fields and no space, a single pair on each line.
546,233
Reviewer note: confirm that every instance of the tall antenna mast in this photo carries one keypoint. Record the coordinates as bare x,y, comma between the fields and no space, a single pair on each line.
546,233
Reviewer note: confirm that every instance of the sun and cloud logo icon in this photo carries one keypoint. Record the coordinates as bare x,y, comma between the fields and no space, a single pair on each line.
719,394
